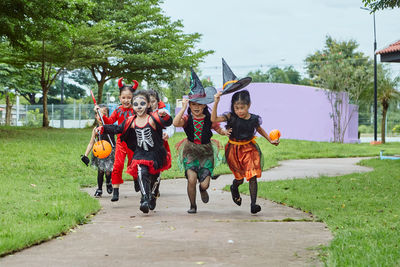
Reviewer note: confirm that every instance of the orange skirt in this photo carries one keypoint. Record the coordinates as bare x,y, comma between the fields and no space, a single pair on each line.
244,160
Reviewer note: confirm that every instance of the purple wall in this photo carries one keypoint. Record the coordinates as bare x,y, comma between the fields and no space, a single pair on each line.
299,112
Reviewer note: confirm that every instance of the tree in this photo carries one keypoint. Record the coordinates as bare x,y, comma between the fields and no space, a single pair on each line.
58,41
341,70
381,4
149,45
287,75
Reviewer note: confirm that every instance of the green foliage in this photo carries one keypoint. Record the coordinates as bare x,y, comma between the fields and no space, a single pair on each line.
277,75
362,210
34,118
364,129
396,129
381,4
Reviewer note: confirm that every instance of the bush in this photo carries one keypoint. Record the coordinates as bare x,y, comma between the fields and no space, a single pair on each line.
396,128
364,129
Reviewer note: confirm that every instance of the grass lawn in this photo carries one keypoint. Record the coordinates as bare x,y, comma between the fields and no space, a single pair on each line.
41,175
362,211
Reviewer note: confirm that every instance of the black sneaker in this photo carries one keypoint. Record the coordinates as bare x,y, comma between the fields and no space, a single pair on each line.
115,196
109,188
137,186
98,193
204,195
193,209
255,208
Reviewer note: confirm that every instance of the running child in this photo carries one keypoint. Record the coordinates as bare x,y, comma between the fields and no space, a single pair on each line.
104,166
143,133
122,151
198,153
242,153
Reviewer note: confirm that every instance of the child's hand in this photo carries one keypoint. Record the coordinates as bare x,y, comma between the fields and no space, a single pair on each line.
217,97
162,112
185,103
165,136
96,107
100,129
228,132
275,142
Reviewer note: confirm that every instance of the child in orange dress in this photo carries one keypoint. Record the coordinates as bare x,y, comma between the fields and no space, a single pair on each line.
242,153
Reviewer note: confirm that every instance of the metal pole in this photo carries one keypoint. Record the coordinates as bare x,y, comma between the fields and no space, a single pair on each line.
62,102
375,88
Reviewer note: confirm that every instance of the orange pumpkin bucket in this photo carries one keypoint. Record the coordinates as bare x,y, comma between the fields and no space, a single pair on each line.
102,149
275,134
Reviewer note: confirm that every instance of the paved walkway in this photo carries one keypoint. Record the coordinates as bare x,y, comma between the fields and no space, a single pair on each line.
220,234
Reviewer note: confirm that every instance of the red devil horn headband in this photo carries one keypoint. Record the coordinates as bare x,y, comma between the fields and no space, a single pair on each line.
120,84
134,86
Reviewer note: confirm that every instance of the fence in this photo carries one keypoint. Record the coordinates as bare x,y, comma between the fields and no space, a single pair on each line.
392,127
60,116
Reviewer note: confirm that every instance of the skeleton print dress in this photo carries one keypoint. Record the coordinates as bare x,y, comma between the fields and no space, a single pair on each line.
146,142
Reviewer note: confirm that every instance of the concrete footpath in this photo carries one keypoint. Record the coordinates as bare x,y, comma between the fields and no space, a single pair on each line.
220,234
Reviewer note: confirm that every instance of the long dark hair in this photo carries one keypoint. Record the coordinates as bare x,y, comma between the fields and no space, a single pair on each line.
154,93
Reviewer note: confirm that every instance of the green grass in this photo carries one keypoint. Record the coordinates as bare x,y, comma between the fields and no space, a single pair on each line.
41,175
362,211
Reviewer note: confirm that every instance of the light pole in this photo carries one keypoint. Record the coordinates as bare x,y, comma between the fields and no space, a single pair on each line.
375,80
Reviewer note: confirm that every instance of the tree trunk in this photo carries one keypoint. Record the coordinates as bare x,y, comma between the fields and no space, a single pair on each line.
8,109
383,123
45,113
100,86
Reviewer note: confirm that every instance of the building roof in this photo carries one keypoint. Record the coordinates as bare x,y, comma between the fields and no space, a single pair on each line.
395,47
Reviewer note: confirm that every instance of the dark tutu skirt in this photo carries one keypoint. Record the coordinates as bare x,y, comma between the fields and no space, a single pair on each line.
198,156
105,164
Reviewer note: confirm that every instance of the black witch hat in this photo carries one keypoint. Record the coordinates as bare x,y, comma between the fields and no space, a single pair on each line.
231,84
198,93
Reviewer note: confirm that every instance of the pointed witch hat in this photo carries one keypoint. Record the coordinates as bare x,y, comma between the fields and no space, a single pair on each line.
198,93
231,83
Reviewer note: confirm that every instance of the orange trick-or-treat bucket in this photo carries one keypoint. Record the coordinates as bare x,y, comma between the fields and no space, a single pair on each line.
102,149
275,134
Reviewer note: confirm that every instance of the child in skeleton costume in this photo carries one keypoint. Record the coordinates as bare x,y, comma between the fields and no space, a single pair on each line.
122,151
104,166
242,153
156,104
143,133
198,154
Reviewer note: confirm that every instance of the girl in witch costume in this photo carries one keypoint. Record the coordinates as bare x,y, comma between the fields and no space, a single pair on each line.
242,153
198,154
143,133
122,151
104,166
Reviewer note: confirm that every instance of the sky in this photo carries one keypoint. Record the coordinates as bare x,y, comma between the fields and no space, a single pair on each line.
259,34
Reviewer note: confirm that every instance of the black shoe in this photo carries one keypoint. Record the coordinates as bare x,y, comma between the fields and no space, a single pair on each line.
144,204
255,208
152,203
214,177
137,186
98,193
235,195
115,196
109,188
204,195
193,209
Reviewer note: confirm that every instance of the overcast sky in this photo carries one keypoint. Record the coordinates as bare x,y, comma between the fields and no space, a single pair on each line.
258,34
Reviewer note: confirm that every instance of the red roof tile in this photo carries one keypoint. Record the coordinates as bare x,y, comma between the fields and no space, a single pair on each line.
395,47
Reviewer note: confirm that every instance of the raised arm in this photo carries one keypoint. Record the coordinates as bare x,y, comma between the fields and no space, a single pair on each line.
214,117
178,121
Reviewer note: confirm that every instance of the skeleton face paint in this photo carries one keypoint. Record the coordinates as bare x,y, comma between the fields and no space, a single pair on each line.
140,105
